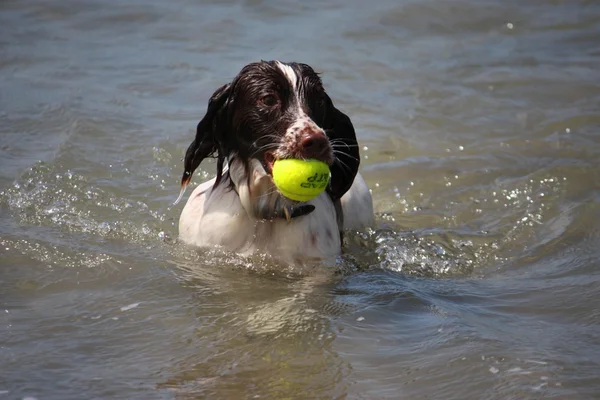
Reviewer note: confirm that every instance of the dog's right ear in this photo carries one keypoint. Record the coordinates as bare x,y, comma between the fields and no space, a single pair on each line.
208,136
340,132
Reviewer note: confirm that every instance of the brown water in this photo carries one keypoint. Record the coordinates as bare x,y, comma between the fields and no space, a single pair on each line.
480,121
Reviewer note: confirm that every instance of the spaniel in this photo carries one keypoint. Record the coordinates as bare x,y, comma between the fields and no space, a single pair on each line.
273,110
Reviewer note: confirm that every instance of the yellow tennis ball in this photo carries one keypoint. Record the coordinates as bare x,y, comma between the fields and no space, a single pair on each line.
300,180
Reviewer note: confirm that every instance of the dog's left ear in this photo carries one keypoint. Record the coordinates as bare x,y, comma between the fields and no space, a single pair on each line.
207,140
340,132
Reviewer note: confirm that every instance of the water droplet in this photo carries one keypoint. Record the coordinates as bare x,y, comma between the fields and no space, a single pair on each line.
129,307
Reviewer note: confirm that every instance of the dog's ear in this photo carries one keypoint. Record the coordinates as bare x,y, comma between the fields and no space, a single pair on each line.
340,132
208,135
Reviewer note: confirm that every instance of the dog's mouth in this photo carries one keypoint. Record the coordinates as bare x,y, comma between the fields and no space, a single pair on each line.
269,160
307,142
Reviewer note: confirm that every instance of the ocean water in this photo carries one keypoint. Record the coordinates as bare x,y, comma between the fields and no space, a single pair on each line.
479,122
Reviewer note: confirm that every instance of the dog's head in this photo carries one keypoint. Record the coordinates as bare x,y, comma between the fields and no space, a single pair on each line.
274,110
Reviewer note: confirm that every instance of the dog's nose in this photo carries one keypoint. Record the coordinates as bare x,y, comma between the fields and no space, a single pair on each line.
314,145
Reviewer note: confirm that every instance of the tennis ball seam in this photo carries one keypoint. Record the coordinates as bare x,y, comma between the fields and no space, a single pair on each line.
302,195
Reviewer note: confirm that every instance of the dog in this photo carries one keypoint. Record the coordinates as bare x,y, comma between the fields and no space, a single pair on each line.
273,110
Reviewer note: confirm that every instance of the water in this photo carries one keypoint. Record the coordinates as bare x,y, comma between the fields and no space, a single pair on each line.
480,125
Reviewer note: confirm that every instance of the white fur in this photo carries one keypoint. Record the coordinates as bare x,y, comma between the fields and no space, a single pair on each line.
293,135
303,121
226,218
289,73
357,205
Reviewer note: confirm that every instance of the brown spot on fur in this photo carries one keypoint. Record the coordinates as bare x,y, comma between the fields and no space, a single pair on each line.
313,239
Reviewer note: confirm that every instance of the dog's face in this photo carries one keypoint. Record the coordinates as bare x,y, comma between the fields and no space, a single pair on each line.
271,111
279,114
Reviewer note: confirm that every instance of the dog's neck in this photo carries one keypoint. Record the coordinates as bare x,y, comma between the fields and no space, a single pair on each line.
254,186
258,195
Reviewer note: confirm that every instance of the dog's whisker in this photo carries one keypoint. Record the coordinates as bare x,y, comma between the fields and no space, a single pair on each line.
342,141
336,144
345,154
264,148
267,145
274,191
274,143
343,164
275,138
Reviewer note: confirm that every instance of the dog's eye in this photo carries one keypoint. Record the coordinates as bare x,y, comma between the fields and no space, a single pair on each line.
269,100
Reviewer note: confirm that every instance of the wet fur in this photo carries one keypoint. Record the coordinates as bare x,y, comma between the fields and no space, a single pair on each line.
273,110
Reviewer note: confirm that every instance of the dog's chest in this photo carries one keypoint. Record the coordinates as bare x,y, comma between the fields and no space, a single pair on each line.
219,219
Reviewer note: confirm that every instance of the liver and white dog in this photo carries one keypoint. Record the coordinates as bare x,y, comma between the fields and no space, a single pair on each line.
270,111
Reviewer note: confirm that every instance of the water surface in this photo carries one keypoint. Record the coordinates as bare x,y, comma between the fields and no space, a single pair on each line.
479,123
